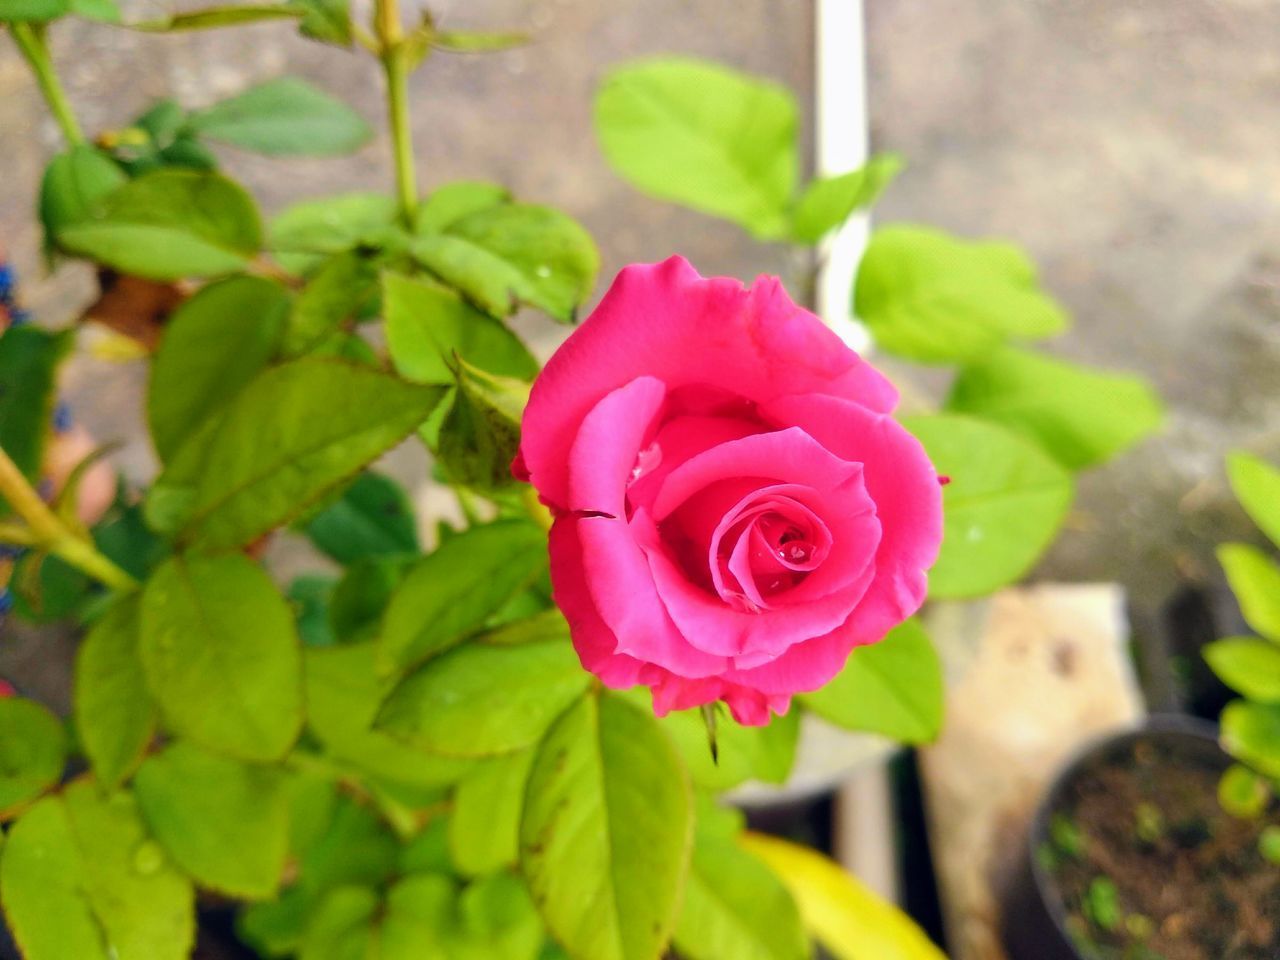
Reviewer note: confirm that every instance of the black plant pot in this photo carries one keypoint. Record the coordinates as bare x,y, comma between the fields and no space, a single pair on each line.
1033,920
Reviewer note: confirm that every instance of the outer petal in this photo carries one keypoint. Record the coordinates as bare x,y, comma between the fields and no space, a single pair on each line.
664,320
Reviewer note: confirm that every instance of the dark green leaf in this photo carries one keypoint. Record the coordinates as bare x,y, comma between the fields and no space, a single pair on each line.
80,878
361,596
224,822
1256,485
373,517
334,295
171,224
211,18
29,359
453,591
310,598
1003,505
605,837
33,749
115,716
931,297
481,433
284,117
828,202
506,255
328,21
213,345
480,700
428,324
1080,416
704,136
293,434
893,688
221,655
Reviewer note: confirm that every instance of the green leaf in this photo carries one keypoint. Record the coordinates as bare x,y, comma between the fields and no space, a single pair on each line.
848,919
81,878
343,697
373,518
1244,793
309,595
451,592
735,907
171,224
114,713
33,749
480,700
1247,665
481,433
701,135
75,185
931,297
1255,580
893,688
104,11
484,830
360,598
224,822
744,753
332,224
1001,508
211,18
450,202
289,437
17,11
213,346
1256,485
503,256
466,41
221,655
1081,416
328,21
606,833
337,293
827,202
29,359
1251,733
284,117
428,325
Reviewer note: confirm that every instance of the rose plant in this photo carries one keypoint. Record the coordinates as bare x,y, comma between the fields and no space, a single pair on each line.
451,751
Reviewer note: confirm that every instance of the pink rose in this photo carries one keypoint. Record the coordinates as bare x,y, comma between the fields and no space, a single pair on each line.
735,508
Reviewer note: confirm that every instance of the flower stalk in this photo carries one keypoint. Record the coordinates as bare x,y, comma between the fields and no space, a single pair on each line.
394,56
35,50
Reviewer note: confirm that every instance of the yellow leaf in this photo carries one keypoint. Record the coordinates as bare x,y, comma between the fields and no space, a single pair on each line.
850,921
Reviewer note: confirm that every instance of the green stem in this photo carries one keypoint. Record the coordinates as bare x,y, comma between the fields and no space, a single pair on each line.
395,66
31,42
49,533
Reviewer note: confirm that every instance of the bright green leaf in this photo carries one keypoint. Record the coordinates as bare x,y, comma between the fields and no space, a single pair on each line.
464,41
171,224
372,518
480,700
334,295
848,919
328,21
702,135
735,907
481,433
74,186
284,117
893,688
104,11
1001,508
607,829
450,202
1251,733
343,697
1247,665
451,592
484,830
293,434
1255,580
1244,793
1081,416
744,753
931,297
221,655
213,346
428,324
827,202
332,224
16,11
502,256
1257,486
114,713
211,18
33,749
224,822
29,359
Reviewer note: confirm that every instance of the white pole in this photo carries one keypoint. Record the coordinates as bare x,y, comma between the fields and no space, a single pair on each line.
841,85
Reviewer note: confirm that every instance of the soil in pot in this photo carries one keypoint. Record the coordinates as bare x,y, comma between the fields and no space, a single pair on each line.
1149,866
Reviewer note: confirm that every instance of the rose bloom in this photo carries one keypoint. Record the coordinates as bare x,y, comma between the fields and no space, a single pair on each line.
735,508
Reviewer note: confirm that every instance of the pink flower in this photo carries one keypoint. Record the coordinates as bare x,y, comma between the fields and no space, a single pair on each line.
735,508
